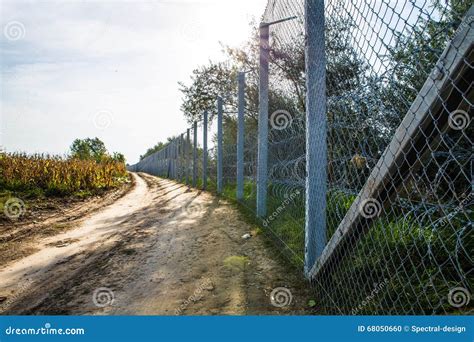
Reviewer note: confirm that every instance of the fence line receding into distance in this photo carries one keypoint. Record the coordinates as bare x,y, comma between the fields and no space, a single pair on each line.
358,160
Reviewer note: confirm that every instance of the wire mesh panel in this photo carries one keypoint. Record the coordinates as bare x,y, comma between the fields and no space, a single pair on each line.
182,157
249,160
212,155
229,154
250,163
198,161
229,168
286,138
286,174
419,243
212,169
416,218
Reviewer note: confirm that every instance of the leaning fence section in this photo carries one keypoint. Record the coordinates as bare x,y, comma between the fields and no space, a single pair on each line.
358,159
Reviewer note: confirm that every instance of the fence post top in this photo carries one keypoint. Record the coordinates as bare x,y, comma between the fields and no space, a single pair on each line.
264,24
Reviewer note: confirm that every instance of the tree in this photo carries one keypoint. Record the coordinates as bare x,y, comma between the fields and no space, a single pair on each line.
207,82
416,53
159,146
94,149
88,148
118,157
412,59
153,149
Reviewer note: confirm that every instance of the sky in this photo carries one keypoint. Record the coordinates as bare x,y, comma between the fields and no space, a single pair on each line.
109,68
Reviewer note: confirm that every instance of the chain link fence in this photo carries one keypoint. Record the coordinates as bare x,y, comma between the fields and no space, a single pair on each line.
373,196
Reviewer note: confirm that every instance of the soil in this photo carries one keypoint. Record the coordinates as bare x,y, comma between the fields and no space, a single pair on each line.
49,216
160,248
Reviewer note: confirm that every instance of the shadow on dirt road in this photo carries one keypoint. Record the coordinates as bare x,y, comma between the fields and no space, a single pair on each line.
162,249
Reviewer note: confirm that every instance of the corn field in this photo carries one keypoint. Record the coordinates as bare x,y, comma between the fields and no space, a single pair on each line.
55,175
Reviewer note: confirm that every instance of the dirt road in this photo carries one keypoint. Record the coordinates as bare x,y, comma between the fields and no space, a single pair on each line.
162,249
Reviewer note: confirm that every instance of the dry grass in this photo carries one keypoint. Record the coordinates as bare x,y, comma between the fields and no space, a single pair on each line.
53,175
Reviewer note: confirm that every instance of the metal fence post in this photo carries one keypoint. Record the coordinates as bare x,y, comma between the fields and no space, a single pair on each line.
187,154
178,162
263,122
173,161
168,162
178,144
195,154
181,157
219,144
204,152
163,162
160,163
240,136
173,151
173,156
316,132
